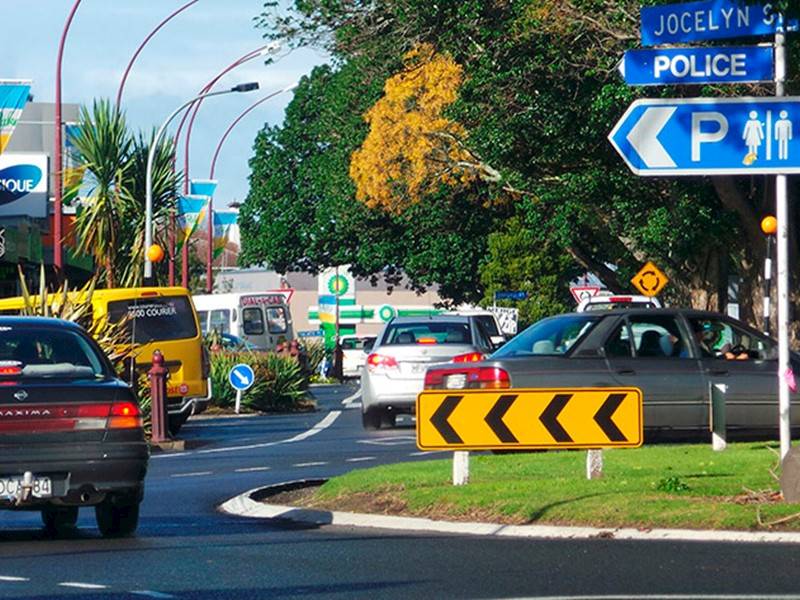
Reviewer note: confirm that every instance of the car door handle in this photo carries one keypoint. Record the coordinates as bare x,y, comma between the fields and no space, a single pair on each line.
626,372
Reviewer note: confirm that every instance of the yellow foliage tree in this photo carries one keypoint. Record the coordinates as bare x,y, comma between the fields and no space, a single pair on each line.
411,148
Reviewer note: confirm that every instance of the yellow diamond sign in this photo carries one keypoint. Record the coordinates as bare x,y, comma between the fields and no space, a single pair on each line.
649,280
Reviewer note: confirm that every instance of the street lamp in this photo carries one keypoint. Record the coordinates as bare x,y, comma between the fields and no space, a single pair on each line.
144,43
210,253
58,259
270,48
148,220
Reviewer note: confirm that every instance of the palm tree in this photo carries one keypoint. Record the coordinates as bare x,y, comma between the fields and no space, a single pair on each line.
165,184
102,146
110,219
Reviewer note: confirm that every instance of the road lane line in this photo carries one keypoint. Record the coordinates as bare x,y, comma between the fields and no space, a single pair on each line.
11,578
252,469
195,474
152,594
310,464
351,399
83,586
359,459
323,424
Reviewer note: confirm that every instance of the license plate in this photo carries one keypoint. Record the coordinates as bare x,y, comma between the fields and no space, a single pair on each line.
42,487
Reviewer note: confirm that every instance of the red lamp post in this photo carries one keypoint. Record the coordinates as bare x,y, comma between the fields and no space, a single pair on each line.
58,257
119,103
269,48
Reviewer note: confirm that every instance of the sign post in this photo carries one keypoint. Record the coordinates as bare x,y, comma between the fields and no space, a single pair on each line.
241,378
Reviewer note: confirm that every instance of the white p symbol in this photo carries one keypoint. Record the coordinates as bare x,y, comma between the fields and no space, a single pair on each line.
698,137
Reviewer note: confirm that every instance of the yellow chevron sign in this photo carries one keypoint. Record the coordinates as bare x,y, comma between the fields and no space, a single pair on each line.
529,418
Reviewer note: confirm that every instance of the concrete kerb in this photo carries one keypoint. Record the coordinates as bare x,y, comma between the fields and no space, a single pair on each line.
250,504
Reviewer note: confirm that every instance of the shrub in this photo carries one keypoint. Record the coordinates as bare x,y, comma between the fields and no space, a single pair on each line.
278,386
315,353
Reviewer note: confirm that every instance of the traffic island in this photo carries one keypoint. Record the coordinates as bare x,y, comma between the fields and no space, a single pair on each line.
658,487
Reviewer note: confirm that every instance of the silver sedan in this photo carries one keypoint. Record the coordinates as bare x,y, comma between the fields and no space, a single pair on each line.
395,370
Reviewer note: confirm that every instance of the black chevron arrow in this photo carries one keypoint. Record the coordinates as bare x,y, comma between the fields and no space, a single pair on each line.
494,419
603,418
439,420
549,417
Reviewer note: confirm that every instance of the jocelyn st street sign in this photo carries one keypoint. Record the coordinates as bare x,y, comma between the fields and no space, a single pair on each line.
708,20
716,64
710,136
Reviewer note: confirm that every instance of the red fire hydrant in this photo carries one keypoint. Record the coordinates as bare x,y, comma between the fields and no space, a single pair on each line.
158,398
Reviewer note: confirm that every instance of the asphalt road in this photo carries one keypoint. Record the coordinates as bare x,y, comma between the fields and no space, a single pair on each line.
185,548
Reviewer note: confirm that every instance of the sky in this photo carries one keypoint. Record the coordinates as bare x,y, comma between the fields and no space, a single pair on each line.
176,63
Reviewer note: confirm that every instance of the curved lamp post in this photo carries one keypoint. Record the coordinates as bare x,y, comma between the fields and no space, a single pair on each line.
270,48
144,43
58,257
148,220
210,254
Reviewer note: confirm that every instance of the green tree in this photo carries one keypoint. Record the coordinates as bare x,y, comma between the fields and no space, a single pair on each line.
110,217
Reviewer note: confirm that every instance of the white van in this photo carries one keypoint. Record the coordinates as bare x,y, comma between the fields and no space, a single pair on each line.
260,318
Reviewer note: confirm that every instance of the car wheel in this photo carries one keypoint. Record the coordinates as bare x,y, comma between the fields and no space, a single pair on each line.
371,418
117,520
388,419
175,422
59,518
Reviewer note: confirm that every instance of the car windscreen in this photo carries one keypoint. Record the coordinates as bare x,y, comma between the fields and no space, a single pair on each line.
41,353
549,337
427,332
162,318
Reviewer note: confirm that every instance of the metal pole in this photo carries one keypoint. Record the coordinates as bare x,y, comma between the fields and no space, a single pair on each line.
143,44
782,215
767,284
148,215
58,162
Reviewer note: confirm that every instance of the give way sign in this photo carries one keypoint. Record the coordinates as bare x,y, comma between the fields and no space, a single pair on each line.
581,292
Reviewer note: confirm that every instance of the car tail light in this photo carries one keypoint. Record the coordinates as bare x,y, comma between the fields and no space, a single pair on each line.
453,378
381,361
148,294
620,299
70,417
468,358
10,368
125,415
427,340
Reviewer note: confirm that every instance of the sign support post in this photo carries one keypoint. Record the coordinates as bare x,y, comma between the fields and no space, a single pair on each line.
782,214
460,467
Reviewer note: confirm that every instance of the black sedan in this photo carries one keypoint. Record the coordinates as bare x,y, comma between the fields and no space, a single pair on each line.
71,432
674,356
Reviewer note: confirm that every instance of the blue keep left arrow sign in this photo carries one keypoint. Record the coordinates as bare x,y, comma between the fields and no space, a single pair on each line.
710,136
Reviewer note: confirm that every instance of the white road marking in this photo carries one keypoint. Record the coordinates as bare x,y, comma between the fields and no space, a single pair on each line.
392,441
359,459
310,464
83,586
152,594
350,400
252,469
323,424
195,474
12,578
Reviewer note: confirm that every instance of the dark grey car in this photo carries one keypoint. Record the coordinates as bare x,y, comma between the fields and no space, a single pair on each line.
673,355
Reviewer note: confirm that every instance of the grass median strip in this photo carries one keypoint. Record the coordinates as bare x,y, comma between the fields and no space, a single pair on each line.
664,486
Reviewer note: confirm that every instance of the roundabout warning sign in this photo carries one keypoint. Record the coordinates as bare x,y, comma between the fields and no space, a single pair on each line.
649,280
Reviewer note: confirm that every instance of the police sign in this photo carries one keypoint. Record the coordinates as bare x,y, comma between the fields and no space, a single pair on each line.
667,66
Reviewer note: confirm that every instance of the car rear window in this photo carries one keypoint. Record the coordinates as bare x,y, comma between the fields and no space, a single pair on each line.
554,336
427,333
163,318
34,353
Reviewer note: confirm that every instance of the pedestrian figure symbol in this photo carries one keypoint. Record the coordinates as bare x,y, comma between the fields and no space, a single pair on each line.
753,135
783,133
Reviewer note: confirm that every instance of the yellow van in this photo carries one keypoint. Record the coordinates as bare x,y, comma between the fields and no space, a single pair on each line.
159,318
